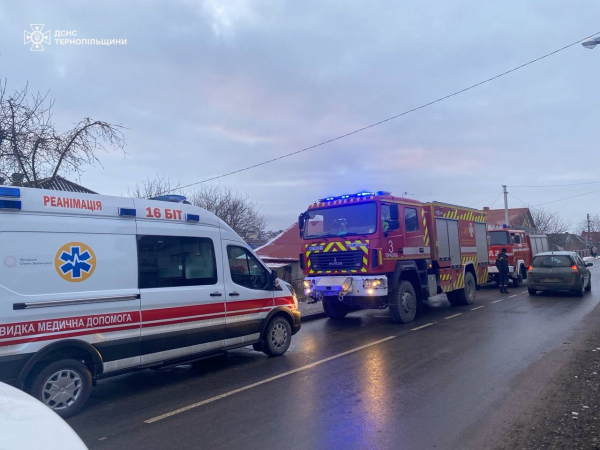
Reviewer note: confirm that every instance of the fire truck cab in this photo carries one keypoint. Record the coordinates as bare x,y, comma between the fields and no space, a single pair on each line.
518,250
374,250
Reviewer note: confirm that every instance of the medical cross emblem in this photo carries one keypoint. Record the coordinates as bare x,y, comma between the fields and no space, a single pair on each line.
36,37
75,262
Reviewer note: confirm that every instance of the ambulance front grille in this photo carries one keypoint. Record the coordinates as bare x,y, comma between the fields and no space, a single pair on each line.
352,260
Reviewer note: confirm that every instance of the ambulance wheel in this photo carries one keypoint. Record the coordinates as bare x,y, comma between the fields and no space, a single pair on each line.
278,336
403,303
466,295
64,386
334,309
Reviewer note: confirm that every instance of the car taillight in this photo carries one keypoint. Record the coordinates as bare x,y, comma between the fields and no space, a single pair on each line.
530,268
573,269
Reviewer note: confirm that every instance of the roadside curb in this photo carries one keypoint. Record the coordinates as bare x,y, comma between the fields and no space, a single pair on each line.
311,317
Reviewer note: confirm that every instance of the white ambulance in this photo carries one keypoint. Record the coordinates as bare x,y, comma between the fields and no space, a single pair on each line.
93,286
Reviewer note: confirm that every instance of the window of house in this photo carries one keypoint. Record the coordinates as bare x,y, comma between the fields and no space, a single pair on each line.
410,219
246,270
169,261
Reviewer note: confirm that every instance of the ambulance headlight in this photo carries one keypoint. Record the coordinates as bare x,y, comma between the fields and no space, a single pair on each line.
307,284
374,283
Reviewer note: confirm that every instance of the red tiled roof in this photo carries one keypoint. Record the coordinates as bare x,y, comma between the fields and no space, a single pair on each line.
286,246
515,215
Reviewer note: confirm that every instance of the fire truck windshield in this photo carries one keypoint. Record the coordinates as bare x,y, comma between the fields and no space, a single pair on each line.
499,238
341,221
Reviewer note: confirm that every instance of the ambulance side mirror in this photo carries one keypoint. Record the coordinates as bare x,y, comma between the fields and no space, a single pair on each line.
274,280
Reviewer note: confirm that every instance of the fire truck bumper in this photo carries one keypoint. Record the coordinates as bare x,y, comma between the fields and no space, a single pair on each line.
341,286
494,269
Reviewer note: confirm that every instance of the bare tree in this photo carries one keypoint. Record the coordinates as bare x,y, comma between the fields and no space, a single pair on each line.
153,187
594,224
31,145
235,209
548,222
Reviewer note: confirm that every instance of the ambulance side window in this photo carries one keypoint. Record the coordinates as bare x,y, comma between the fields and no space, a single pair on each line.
410,219
169,261
245,269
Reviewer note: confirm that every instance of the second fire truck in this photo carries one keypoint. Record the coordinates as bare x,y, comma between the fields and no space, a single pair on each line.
520,249
374,250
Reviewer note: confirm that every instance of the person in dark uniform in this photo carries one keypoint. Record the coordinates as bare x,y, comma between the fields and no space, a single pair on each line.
502,265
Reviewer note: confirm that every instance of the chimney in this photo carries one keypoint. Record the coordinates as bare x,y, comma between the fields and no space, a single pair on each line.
486,208
17,179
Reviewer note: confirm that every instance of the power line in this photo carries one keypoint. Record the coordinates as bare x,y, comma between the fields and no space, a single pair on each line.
554,185
496,200
389,118
567,198
518,199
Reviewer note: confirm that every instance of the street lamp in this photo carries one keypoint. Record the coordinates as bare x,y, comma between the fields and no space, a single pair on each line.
591,42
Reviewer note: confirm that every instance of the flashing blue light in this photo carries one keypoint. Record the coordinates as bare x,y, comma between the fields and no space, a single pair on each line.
504,225
192,217
10,192
127,212
347,196
10,204
170,198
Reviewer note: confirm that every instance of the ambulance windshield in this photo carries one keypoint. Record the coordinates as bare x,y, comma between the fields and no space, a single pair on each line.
341,221
499,238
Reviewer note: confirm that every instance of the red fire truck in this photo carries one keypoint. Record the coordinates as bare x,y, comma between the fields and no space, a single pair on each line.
520,249
374,250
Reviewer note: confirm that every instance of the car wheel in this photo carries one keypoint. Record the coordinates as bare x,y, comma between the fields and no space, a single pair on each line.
403,303
579,292
278,336
334,309
588,288
64,386
531,291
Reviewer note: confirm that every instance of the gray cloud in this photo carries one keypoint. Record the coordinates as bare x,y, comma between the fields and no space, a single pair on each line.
210,86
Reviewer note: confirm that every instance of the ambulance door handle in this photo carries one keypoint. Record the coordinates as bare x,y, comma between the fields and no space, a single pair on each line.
234,294
215,294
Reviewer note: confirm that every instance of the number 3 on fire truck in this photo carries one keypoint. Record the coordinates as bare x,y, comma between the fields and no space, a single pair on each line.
391,246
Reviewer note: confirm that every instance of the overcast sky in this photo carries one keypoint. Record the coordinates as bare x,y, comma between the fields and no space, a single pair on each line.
206,87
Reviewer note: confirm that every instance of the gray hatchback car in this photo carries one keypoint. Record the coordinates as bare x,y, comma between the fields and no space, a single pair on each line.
559,271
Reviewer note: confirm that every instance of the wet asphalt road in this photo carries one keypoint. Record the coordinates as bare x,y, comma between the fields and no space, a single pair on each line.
364,382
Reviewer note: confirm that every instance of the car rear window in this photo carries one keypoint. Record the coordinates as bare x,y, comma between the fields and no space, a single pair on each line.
552,261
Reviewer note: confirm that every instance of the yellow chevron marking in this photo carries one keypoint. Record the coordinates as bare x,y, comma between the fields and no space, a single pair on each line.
341,246
328,247
363,270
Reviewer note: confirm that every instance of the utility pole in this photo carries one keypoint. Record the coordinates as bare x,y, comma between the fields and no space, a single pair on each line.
505,206
588,237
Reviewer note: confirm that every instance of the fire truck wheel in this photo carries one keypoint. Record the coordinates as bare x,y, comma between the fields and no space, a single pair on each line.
334,309
451,296
403,303
516,282
466,296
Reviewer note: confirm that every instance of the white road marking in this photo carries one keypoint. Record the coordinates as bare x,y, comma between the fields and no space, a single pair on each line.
422,326
479,307
455,315
266,380
511,296
496,301
522,292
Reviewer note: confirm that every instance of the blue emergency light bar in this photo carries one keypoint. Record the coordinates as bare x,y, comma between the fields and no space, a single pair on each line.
192,217
127,212
10,192
10,204
170,198
358,195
